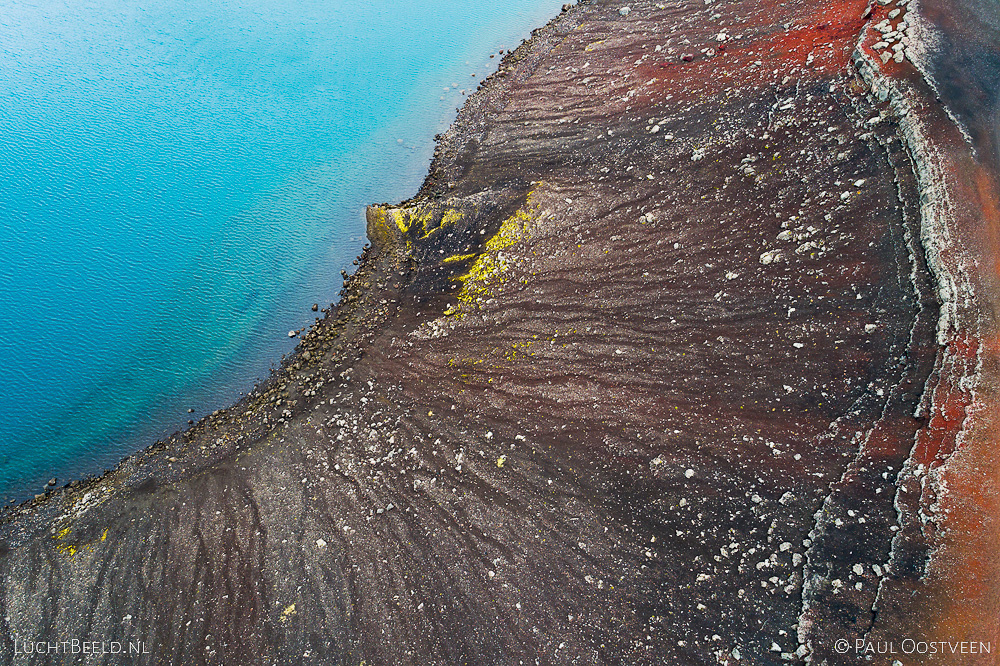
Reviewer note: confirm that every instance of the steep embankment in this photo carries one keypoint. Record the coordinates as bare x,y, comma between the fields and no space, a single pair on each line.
636,378
947,493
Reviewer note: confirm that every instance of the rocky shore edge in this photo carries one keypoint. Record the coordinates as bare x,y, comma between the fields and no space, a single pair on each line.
359,309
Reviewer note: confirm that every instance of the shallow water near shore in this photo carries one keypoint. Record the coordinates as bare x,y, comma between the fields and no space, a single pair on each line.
179,182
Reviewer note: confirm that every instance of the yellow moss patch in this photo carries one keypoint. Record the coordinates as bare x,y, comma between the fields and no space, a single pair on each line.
423,218
288,613
458,257
487,271
379,226
449,217
72,549
515,346
64,548
388,226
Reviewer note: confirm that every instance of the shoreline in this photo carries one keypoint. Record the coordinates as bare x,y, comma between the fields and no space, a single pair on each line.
79,434
267,386
548,383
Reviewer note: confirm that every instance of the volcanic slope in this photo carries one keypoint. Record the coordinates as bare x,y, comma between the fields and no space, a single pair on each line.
629,381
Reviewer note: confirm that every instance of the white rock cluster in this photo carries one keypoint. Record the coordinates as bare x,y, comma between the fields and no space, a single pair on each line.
894,31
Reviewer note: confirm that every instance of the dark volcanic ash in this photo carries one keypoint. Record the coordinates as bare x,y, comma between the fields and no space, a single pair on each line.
635,379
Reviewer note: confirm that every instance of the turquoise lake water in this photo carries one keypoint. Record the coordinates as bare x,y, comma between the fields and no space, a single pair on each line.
181,180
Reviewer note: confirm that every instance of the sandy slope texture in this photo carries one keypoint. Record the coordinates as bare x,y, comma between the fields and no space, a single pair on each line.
631,380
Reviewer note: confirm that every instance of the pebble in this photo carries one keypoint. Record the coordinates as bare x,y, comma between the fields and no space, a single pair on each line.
771,257
624,11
